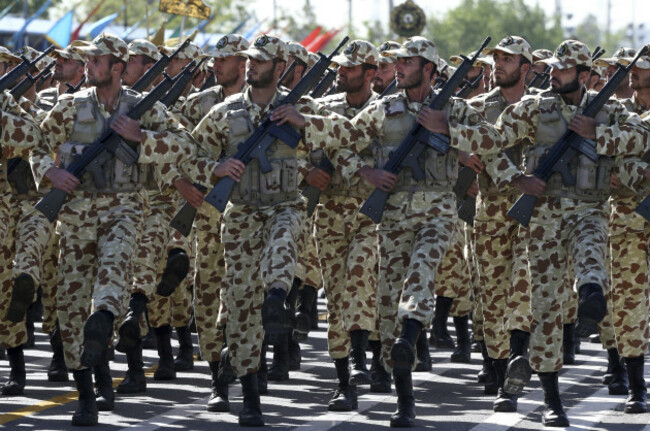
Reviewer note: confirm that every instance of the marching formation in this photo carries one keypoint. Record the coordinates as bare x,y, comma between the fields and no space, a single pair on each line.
147,188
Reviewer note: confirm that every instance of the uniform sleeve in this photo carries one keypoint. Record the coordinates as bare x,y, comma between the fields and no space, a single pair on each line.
20,132
518,122
627,134
631,170
469,131
210,134
501,169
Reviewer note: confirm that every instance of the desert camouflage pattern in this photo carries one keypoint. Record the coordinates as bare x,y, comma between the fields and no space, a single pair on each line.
569,53
105,44
266,48
198,104
453,279
308,269
416,46
357,53
228,46
514,45
144,47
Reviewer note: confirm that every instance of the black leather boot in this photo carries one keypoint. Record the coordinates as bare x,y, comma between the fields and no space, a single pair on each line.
359,374
165,369
57,372
403,351
404,417
440,338
218,401
553,415
568,344
482,375
613,361
251,413
505,402
178,265
519,372
86,413
279,369
226,373
592,308
263,373
185,359
98,330
345,396
618,383
423,354
15,385
130,327
274,316
104,395
380,377
134,381
462,352
22,295
295,354
636,402
305,312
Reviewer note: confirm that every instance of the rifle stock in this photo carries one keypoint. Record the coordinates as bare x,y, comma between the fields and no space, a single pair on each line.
184,219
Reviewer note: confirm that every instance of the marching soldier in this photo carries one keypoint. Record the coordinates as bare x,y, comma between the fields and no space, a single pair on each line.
385,69
68,72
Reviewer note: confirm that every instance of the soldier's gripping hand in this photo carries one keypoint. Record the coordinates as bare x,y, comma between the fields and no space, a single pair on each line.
288,114
318,178
190,193
529,185
434,121
379,178
615,181
128,128
62,179
232,168
472,192
472,161
583,126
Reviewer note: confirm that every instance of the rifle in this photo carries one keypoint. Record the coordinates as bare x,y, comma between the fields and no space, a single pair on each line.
74,88
210,81
39,84
418,139
324,84
19,173
286,73
158,68
541,79
391,89
107,146
184,218
569,145
28,82
469,86
465,205
9,79
180,83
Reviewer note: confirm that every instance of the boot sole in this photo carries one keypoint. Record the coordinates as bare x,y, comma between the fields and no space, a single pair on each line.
335,407
636,407
84,422
403,355
402,423
129,335
13,389
138,390
58,376
517,375
22,296
360,378
220,407
96,339
177,269
504,406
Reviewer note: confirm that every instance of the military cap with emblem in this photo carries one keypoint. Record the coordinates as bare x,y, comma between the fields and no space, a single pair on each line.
514,45
416,46
191,52
389,44
105,44
481,61
266,48
541,54
68,53
144,47
228,46
642,63
300,52
357,53
624,52
570,53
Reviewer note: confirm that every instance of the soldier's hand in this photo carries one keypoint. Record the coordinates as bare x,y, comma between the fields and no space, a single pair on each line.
434,121
380,178
62,179
583,126
318,178
191,194
288,114
472,161
128,128
530,185
472,192
615,181
232,168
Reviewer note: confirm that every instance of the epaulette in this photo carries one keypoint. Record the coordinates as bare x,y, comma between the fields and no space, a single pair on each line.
235,102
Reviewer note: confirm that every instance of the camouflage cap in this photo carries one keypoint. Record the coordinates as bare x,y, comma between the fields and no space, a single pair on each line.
513,45
357,53
416,46
388,45
144,47
6,55
542,54
570,53
31,54
105,44
228,46
481,61
300,52
68,53
313,58
191,52
599,70
642,63
443,68
621,53
267,48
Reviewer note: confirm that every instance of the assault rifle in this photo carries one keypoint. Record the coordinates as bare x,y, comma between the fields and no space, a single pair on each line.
418,140
210,81
19,173
74,88
158,68
9,79
469,86
324,84
28,82
569,145
180,83
541,79
256,146
107,146
286,73
466,205
42,80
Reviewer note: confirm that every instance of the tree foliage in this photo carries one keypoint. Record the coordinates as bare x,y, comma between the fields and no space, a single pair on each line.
32,6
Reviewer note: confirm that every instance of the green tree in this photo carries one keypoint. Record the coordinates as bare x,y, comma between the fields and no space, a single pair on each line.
589,32
32,6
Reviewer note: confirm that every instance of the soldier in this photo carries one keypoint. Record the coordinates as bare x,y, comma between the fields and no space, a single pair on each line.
142,56
20,133
68,71
299,55
624,91
7,60
567,220
537,67
419,217
262,222
385,69
96,258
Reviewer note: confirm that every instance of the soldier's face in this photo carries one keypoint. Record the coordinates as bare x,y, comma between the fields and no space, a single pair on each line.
409,72
259,74
176,66
3,68
507,69
564,80
135,68
66,69
384,76
228,70
98,70
349,79
639,78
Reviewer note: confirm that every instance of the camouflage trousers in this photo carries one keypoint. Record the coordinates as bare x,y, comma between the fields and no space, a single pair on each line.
629,259
454,278
5,211
308,269
98,235
606,326
504,280
261,252
414,235
349,250
37,250
560,228
209,283
11,334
